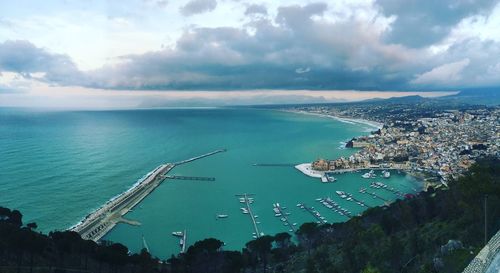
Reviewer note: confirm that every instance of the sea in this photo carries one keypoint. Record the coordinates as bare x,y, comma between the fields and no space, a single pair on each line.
58,166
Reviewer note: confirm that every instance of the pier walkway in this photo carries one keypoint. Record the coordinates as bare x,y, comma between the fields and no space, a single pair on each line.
314,213
252,216
199,157
98,223
374,195
275,164
284,217
199,178
332,205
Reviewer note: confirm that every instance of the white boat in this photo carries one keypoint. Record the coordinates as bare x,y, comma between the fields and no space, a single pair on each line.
277,214
386,174
331,179
324,179
178,233
219,216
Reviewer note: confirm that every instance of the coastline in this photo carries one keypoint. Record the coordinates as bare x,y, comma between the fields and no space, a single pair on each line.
350,120
305,168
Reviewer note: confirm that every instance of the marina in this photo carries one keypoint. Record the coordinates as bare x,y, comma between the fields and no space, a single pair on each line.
175,205
283,216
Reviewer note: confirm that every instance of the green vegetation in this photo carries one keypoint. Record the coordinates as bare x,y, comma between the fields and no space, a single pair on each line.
438,231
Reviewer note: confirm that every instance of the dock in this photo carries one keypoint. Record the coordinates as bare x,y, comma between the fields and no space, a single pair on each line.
183,242
336,207
275,164
252,216
284,216
386,187
359,202
98,223
199,157
352,170
319,219
199,178
374,195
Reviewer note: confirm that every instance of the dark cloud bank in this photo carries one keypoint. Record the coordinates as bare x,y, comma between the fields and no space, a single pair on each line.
297,49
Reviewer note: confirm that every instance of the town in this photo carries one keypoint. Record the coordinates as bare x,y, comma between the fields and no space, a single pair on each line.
434,143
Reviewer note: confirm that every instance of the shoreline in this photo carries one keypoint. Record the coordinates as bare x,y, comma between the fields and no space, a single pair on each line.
350,120
305,168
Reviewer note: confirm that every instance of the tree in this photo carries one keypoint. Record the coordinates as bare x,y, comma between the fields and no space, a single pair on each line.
261,247
370,269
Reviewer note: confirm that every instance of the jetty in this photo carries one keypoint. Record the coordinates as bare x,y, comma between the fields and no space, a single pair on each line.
199,157
382,186
319,219
283,216
374,195
183,242
98,223
199,178
357,201
247,202
275,164
329,203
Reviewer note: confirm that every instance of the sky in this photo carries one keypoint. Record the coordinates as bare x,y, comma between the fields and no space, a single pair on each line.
152,53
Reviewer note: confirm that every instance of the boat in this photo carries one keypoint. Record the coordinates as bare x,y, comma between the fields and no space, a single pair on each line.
386,174
220,216
277,214
178,233
324,179
331,179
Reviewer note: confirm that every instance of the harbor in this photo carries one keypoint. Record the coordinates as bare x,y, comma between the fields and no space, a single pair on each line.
97,224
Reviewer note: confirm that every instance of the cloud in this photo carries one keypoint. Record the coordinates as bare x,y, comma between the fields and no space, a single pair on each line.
26,59
256,9
234,58
198,6
315,46
446,73
422,23
157,3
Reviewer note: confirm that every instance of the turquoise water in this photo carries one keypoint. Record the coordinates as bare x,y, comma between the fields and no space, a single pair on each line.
59,166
